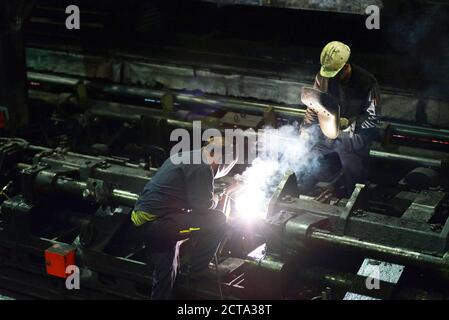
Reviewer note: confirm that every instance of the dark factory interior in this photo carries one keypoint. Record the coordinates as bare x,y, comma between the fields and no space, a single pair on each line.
346,197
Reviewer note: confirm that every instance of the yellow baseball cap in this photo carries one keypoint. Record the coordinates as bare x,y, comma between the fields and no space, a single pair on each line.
333,58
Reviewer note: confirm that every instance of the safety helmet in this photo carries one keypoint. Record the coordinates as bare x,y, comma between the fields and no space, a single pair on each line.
333,58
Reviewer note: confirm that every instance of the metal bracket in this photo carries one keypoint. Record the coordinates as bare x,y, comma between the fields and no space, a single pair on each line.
98,190
288,185
357,197
85,171
16,213
299,227
28,177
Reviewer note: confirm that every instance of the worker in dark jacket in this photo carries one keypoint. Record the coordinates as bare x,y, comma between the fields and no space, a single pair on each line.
177,204
355,90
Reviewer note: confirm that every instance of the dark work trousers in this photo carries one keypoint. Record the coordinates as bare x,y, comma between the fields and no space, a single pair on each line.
353,152
164,236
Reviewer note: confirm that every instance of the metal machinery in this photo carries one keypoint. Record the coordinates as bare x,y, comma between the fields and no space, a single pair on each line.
60,192
304,248
96,124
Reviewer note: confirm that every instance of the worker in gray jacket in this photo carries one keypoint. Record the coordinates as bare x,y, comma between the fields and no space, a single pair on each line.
179,203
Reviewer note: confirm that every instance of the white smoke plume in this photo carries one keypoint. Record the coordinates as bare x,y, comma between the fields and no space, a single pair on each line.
279,150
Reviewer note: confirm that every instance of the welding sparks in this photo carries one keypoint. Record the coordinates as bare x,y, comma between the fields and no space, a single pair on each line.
279,150
252,200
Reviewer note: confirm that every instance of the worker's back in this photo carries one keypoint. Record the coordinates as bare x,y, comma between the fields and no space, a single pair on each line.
178,186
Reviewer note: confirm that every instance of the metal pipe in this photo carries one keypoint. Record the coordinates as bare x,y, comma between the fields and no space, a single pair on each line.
357,284
393,254
224,103
154,95
124,197
131,112
420,132
46,182
79,188
404,157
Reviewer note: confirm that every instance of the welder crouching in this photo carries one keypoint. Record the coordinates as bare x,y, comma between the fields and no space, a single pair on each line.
344,105
177,204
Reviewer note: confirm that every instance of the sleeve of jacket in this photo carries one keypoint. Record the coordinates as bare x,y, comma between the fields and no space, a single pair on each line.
369,121
200,187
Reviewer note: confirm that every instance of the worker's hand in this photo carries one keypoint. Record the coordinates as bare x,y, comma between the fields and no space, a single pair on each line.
344,123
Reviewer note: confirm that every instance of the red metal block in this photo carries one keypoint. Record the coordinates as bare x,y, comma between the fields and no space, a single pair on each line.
58,257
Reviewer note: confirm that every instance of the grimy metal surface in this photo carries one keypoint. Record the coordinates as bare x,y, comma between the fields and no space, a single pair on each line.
396,254
151,107
207,100
295,226
349,6
251,83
